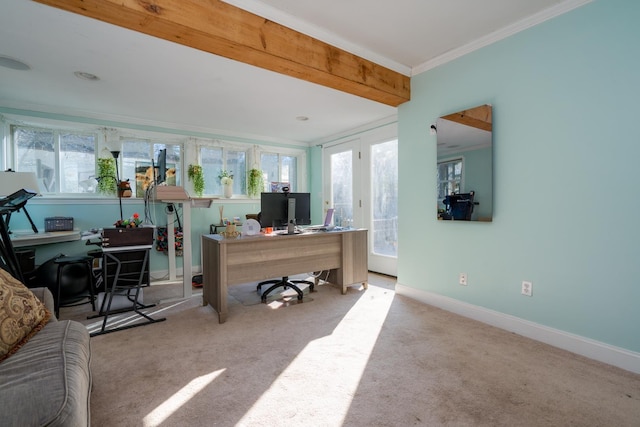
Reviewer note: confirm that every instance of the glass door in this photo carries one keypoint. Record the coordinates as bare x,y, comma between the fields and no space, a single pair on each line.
381,207
361,184
342,189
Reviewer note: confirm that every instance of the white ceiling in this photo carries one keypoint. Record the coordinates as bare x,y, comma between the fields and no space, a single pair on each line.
150,81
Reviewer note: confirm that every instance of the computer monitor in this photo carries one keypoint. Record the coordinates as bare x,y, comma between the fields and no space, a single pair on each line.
161,164
274,209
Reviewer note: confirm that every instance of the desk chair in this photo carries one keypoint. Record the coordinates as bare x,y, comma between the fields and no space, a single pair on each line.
459,206
285,282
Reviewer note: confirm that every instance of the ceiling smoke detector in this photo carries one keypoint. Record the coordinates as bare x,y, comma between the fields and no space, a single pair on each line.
14,64
86,76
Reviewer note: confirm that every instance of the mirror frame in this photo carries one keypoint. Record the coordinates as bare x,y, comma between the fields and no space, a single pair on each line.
466,138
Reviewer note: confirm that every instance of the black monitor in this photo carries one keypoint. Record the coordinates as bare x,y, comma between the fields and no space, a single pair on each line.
274,209
162,166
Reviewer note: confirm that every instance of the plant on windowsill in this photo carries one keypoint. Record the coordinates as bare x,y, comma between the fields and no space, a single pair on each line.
107,176
226,179
255,184
196,175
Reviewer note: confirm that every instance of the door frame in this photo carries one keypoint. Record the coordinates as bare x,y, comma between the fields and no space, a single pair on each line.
361,145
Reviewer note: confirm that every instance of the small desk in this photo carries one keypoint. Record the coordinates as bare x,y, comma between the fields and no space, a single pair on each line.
20,240
262,257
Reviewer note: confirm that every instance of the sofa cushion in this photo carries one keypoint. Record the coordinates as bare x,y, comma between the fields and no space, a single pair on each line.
22,314
48,381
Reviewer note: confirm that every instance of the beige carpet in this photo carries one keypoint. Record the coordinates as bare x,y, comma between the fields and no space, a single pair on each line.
367,358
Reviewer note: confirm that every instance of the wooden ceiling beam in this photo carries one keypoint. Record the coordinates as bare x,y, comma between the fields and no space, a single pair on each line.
479,117
225,30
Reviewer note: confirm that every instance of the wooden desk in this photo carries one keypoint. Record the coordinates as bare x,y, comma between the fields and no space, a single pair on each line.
262,257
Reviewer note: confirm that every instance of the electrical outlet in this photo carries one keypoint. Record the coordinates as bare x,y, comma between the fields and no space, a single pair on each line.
527,288
462,279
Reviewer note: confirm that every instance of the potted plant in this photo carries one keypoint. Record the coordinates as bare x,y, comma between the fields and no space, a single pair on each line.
255,184
226,179
107,176
195,175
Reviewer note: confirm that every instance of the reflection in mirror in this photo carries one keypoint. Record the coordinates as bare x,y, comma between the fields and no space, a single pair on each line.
465,159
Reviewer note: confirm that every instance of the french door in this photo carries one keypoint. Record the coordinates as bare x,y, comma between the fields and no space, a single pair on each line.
361,184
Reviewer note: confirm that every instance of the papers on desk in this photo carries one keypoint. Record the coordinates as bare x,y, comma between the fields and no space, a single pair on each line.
320,228
91,234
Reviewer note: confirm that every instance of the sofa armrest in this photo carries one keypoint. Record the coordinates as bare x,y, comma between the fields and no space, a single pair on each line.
45,295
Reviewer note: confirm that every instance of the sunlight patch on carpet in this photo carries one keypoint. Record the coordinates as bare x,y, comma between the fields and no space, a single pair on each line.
359,328
175,402
128,318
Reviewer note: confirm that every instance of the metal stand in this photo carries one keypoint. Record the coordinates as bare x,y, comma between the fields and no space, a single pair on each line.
127,284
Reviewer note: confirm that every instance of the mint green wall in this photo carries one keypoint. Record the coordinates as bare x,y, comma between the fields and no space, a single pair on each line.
565,100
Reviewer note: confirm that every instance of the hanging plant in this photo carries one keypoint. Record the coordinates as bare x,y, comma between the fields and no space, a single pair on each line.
195,175
107,176
255,184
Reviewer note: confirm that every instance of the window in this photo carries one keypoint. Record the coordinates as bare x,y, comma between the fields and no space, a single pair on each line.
63,161
216,159
449,178
136,160
65,158
280,168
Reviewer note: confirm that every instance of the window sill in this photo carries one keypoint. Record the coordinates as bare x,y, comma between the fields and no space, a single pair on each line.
101,200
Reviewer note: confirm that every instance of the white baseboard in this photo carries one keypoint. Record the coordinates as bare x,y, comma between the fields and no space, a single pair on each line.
161,276
616,356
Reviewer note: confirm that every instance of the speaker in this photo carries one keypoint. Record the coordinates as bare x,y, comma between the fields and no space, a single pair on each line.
26,259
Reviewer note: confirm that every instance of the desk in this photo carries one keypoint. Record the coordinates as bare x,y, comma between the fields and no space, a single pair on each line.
262,257
20,239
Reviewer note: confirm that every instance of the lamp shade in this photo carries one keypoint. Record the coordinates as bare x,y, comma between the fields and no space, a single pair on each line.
10,182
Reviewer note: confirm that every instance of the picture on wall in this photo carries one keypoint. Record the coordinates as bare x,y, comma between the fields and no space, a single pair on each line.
145,174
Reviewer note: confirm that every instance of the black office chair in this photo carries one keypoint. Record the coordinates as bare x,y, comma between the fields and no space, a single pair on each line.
285,283
459,206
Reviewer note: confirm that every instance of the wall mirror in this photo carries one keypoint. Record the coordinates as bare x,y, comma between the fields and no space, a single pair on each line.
465,165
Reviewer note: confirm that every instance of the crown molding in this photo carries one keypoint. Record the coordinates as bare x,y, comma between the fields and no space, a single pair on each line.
501,34
360,130
283,18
